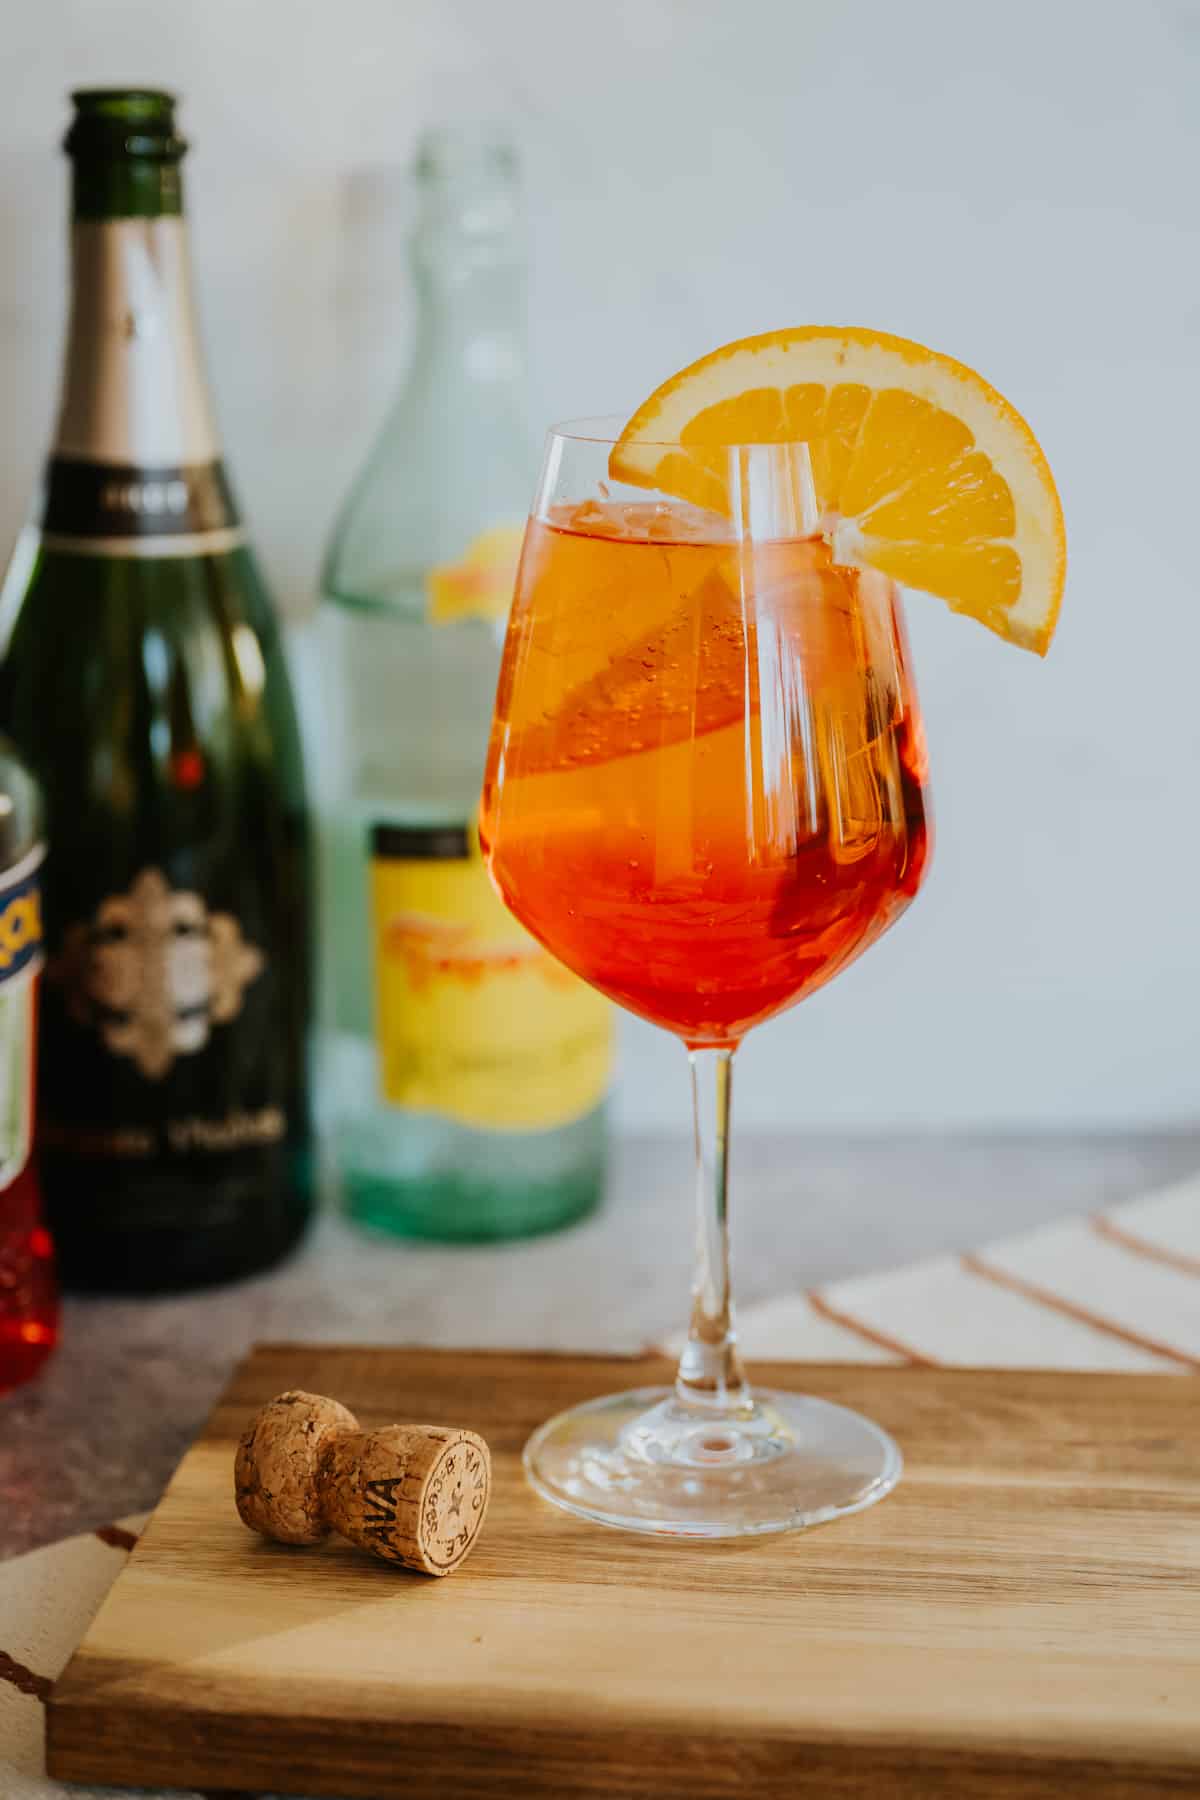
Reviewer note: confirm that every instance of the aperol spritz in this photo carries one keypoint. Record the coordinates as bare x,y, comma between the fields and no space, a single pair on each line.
707,788
705,795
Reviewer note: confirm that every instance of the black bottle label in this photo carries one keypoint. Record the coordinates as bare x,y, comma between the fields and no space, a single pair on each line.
124,509
152,971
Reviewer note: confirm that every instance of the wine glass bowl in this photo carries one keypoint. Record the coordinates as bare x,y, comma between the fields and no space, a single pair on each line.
705,795
705,787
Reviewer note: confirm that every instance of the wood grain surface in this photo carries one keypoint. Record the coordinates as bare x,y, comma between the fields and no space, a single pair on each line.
1022,1617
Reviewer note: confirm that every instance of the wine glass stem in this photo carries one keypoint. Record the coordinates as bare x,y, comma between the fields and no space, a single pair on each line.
710,1373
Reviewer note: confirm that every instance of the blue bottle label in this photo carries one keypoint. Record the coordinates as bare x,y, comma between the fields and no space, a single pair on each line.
20,960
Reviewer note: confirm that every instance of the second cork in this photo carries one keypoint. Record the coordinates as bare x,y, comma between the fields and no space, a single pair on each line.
412,1494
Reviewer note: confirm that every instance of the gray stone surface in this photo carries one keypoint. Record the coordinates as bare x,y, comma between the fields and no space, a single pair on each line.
98,1435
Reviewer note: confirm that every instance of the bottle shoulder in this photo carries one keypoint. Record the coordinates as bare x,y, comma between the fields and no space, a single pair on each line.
50,588
21,821
443,473
111,667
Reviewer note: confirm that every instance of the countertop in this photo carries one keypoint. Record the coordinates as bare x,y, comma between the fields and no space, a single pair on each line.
99,1433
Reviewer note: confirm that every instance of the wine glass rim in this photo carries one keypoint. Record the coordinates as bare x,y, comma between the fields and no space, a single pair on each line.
608,429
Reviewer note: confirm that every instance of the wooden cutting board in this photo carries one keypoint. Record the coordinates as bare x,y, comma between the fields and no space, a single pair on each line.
1022,1617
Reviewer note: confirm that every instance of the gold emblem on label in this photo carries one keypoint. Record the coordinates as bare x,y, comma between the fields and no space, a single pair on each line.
153,971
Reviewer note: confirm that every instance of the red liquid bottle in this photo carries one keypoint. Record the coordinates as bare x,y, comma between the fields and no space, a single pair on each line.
28,1291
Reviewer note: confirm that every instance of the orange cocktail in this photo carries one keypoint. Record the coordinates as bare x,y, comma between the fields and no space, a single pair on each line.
705,792
706,786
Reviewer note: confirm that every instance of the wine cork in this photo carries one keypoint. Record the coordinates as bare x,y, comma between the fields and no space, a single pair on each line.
412,1494
278,1460
415,1494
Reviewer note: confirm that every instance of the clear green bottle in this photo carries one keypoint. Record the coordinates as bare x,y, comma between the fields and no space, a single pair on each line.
464,1073
142,678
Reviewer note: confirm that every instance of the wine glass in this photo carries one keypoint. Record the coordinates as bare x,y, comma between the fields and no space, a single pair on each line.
705,795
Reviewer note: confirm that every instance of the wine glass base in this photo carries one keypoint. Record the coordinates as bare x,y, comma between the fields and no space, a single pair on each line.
643,1461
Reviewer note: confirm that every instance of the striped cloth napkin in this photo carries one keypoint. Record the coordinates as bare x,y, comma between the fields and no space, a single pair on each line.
1117,1291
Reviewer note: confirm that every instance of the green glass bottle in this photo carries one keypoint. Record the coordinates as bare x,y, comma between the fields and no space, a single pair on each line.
142,677
464,1072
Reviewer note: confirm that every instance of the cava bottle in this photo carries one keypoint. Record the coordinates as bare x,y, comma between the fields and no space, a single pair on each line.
143,679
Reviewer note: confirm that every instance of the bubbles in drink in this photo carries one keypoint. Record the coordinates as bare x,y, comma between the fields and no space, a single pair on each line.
699,795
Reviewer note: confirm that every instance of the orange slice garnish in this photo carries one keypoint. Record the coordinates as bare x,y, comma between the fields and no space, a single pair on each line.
920,468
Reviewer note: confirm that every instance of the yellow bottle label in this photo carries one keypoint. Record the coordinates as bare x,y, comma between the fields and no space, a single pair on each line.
473,1019
479,585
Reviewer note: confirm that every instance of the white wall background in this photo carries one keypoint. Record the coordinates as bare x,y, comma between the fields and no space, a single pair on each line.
1018,186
